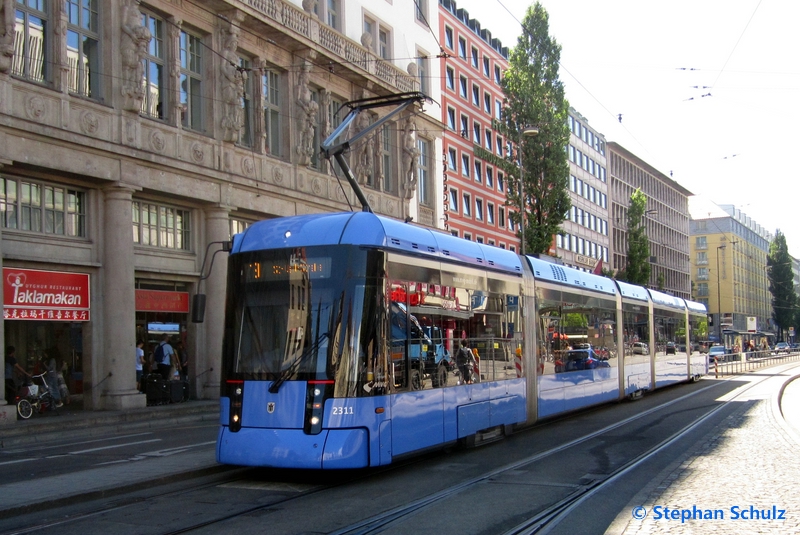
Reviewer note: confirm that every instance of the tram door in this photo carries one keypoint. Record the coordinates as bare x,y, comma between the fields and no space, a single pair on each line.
417,412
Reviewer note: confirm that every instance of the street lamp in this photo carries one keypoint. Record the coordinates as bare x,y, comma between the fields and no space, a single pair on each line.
527,131
719,294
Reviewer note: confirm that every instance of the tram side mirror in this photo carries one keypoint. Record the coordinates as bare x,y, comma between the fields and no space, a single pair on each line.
198,308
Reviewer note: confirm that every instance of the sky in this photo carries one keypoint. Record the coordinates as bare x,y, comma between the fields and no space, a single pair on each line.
708,90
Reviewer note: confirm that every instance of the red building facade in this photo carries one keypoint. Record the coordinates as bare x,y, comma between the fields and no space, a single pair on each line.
475,190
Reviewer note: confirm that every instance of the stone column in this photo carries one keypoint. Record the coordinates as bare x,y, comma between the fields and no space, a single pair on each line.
217,230
7,412
115,375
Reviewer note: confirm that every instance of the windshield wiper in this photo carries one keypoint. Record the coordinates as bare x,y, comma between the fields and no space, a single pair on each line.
288,372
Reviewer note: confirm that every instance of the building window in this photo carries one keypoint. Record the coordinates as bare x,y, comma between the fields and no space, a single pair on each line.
328,11
464,126
467,204
501,216
478,171
453,200
422,11
154,94
271,104
489,177
450,78
500,185
451,159
160,226
237,226
487,103
497,74
476,132
701,242
462,86
462,48
490,213
485,66
451,118
31,42
488,139
83,54
498,109
424,172
476,95
465,165
479,209
44,208
474,58
468,236
422,71
448,37
191,81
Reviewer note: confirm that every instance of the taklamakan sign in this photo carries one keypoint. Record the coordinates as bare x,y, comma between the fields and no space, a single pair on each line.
32,294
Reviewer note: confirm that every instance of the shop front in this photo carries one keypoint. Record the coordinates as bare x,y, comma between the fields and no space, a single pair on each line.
162,308
45,315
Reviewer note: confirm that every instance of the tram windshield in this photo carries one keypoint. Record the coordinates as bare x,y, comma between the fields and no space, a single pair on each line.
295,314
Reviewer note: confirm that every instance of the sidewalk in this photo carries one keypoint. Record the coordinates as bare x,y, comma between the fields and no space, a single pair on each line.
72,422
737,481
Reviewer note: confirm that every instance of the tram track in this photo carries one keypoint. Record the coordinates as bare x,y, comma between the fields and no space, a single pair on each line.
549,517
395,518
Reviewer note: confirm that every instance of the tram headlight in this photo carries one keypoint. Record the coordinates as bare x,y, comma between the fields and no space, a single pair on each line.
317,391
314,420
235,417
239,391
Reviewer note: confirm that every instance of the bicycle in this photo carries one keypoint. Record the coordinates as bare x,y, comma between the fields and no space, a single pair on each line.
34,396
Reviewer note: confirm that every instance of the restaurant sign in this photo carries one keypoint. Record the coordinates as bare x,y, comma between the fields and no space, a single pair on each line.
32,294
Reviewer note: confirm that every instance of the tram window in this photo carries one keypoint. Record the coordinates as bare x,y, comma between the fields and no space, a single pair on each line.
578,332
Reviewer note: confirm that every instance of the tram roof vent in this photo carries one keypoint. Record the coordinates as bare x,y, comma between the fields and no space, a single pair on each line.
395,241
414,246
479,259
431,249
559,273
490,262
445,252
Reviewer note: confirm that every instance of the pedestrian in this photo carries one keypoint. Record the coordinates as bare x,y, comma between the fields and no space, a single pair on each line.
13,373
139,364
464,362
51,377
163,356
183,359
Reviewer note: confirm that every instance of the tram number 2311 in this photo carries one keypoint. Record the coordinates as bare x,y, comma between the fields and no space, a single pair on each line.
339,411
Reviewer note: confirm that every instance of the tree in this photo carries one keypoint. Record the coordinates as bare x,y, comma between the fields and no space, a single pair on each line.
534,96
781,283
637,269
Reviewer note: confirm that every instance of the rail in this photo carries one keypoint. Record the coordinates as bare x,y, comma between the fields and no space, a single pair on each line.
738,363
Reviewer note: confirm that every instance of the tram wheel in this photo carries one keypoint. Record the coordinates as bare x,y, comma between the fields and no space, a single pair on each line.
24,409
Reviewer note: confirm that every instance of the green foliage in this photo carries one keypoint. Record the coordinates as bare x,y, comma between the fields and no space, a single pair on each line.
534,95
637,270
575,319
781,282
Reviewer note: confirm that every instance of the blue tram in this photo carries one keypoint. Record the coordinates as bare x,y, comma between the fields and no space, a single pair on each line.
341,332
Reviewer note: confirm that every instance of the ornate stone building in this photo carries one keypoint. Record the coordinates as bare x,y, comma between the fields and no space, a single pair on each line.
137,136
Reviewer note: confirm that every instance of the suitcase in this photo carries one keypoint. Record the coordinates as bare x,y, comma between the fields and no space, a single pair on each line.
156,390
175,391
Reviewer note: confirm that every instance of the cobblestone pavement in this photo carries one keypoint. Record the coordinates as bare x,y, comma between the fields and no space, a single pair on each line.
749,461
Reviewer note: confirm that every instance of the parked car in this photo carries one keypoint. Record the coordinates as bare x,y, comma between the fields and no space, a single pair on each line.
670,349
717,352
781,347
583,359
640,348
